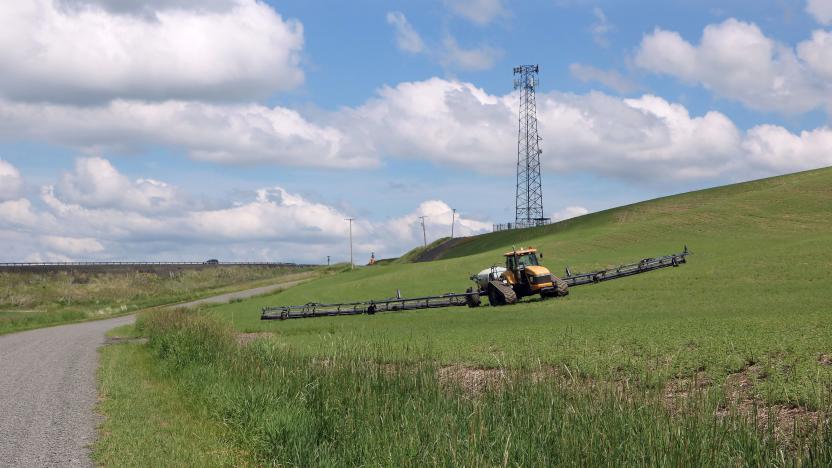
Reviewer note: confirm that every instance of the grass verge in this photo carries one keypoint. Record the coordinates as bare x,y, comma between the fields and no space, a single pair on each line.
147,422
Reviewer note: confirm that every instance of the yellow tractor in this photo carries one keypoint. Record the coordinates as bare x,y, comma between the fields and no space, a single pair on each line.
522,276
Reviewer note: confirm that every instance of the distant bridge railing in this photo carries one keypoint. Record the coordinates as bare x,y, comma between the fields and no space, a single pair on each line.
11,264
127,266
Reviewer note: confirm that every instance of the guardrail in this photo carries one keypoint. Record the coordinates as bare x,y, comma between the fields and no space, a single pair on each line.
35,264
126,267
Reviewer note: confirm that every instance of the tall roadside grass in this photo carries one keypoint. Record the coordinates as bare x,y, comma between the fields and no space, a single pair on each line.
31,300
19,321
352,408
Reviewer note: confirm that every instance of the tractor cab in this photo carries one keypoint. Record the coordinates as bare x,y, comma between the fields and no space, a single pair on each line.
521,259
526,276
523,269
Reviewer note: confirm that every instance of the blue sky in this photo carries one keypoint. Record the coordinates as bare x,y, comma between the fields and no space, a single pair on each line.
237,129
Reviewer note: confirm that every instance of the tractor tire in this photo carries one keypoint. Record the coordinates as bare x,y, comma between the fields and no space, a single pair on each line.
561,287
499,294
472,298
494,298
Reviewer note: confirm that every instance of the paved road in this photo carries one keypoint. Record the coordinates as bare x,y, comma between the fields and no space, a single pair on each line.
48,388
224,298
48,393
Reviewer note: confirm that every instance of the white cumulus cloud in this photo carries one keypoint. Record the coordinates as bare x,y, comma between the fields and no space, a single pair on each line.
90,220
816,53
19,215
96,183
273,214
230,133
10,181
775,149
407,229
734,59
445,122
85,52
821,10
71,245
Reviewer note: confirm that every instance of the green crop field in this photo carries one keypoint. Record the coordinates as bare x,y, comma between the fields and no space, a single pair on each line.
726,360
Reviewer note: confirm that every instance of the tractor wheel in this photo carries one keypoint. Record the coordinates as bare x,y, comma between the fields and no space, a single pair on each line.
472,298
561,287
500,294
494,297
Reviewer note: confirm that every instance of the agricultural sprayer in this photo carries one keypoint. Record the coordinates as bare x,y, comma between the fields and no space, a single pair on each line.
522,276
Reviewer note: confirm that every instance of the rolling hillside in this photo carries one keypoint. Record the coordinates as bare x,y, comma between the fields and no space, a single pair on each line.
799,197
756,289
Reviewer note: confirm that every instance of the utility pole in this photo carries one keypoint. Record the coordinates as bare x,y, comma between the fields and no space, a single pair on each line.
453,219
352,265
424,235
327,260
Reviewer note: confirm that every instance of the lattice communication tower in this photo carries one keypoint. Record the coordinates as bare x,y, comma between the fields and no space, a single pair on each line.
529,202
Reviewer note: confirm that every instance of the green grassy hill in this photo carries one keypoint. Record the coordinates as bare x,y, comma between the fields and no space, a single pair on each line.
757,291
726,361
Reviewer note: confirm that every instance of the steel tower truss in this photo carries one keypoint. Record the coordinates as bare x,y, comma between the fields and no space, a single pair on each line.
529,201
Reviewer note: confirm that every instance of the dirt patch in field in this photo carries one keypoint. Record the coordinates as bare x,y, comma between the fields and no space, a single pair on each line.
473,380
246,338
825,359
740,385
476,380
785,420
677,392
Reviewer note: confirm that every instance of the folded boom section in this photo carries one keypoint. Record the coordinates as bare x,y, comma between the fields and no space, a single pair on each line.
621,271
368,307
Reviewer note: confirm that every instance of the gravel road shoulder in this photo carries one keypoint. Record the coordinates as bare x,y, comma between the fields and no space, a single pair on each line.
48,393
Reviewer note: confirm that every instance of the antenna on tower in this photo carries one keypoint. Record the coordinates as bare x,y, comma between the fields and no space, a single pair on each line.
529,193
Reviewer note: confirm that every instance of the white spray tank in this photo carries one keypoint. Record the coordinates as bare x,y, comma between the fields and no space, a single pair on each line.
489,274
